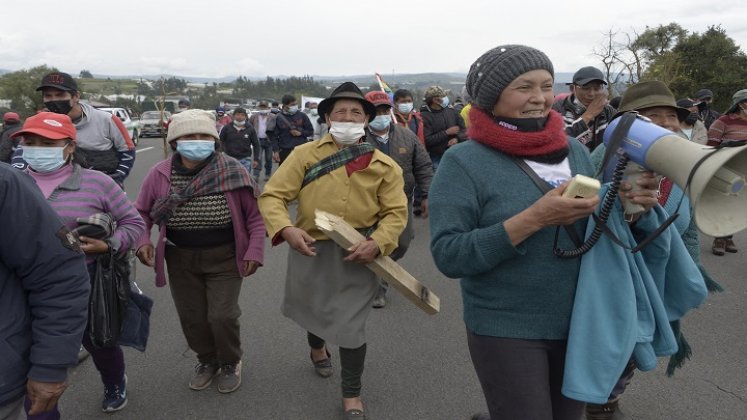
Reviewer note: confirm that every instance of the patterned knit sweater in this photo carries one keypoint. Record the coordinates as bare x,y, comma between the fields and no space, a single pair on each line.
203,221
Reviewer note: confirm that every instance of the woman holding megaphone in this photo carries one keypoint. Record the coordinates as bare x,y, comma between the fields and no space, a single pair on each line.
493,227
656,102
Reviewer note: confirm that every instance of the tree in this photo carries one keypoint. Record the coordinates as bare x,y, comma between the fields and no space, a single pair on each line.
709,60
85,74
655,42
610,52
20,88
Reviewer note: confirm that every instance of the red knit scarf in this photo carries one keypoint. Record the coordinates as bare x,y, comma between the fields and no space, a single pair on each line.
550,141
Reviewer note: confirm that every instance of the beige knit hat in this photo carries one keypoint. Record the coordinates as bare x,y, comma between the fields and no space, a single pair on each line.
192,121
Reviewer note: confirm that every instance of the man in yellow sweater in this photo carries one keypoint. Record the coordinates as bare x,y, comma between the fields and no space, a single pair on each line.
328,289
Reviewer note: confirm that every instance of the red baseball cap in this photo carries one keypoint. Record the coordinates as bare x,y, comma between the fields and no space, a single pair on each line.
11,117
378,97
49,125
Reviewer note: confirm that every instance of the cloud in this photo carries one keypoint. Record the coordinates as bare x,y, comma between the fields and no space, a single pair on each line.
164,65
249,67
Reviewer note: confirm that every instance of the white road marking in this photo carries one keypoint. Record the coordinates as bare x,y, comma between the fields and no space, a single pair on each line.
144,149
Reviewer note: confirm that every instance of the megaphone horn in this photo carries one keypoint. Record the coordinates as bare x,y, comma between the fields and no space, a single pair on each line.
713,178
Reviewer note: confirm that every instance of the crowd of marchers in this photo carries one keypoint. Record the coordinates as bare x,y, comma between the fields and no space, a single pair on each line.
377,162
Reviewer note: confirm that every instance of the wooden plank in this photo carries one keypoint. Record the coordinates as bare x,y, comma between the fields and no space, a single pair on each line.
345,236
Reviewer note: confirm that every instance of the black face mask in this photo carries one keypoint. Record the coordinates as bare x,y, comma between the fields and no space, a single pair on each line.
522,124
59,107
703,106
692,118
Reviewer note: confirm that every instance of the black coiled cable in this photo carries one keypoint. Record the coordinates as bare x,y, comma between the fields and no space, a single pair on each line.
604,214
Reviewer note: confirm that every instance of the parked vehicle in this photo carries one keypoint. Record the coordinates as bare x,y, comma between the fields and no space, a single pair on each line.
132,126
153,124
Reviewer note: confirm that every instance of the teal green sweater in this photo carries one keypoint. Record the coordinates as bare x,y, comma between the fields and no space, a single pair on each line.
511,292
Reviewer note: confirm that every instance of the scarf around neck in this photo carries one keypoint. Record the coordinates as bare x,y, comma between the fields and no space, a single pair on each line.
549,145
219,174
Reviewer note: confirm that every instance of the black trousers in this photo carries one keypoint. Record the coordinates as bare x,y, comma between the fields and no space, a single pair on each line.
521,379
351,362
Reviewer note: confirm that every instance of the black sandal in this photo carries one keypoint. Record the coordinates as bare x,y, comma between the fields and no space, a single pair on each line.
354,414
323,367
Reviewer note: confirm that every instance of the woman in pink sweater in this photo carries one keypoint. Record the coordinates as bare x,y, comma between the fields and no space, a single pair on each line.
211,235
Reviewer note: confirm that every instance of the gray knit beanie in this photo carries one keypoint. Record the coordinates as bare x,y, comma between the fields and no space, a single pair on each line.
192,121
497,68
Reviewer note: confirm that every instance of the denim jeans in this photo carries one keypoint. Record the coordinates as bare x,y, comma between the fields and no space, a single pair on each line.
264,157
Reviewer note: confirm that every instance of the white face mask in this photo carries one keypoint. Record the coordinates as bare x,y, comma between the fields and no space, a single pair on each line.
347,133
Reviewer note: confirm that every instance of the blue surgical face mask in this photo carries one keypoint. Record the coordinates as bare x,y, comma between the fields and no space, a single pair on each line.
445,102
381,122
44,159
292,109
405,108
195,149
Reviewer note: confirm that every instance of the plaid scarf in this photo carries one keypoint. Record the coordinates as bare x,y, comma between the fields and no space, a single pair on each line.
336,160
221,174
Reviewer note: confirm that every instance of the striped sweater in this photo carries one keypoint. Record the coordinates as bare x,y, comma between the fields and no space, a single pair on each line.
726,128
86,192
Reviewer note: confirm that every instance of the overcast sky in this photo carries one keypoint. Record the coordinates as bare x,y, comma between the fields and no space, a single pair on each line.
325,37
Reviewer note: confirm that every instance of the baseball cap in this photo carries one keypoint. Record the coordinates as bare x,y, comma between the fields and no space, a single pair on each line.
586,75
58,80
703,93
11,117
434,92
378,98
49,125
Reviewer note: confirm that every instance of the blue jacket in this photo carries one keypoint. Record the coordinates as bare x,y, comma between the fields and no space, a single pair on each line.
624,303
282,138
44,288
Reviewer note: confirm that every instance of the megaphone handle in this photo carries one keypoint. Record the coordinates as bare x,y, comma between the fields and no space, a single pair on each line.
633,173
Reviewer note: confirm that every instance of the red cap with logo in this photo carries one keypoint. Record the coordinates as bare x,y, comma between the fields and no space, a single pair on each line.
378,97
49,125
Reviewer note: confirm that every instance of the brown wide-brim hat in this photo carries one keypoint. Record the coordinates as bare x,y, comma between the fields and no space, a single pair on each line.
649,95
347,90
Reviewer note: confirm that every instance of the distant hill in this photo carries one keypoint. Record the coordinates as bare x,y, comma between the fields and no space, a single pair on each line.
362,79
396,79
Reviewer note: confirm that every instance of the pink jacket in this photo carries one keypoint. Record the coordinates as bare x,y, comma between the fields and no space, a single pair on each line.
248,227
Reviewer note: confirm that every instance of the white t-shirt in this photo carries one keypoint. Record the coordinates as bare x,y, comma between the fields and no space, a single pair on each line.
553,174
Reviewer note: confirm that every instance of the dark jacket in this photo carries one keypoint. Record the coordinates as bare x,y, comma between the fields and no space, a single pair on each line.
239,143
707,114
282,138
44,289
405,148
7,144
435,123
588,134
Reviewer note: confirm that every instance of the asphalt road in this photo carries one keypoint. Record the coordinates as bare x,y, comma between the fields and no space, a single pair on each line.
417,366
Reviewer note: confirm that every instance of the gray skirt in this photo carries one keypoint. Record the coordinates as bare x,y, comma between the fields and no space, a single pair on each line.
329,297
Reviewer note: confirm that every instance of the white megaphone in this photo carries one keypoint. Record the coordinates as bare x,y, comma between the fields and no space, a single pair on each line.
716,188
